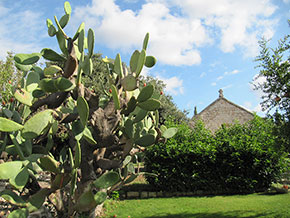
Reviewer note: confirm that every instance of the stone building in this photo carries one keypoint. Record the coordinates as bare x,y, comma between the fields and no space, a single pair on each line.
222,111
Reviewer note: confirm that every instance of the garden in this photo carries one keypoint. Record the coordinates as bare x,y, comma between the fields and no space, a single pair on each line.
79,131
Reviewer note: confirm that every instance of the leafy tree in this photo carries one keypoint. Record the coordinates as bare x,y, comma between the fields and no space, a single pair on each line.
98,80
9,76
168,109
275,68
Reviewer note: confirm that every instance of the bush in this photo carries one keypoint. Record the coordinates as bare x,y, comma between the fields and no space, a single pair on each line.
237,159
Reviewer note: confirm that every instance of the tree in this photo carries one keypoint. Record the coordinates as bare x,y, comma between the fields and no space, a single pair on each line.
275,69
168,109
82,138
9,76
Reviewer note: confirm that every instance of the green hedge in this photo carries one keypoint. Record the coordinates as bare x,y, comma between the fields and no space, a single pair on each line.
238,159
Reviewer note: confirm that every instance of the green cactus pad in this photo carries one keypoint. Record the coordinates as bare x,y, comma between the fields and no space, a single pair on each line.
38,93
83,110
107,180
23,96
85,202
153,132
22,212
32,81
10,169
146,140
67,7
81,27
7,125
36,124
145,41
141,62
20,180
36,201
131,168
163,128
8,113
88,136
81,41
87,65
12,198
129,83
47,85
49,164
168,133
91,42
62,42
140,115
78,129
150,105
134,61
129,128
52,70
118,69
24,68
100,197
130,106
78,155
27,59
131,178
115,97
64,20
51,29
63,84
150,61
127,160
145,93
51,55
73,181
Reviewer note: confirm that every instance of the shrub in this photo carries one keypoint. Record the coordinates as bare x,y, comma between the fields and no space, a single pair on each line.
237,159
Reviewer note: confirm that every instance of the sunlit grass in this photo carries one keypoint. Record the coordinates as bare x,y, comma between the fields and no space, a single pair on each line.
251,206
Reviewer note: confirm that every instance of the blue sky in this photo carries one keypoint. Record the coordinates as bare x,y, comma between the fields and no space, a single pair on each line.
201,45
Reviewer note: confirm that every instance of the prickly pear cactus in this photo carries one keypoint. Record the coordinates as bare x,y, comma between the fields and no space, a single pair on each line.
82,139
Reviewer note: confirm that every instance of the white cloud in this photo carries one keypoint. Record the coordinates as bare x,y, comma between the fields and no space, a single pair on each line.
174,85
257,80
227,87
227,74
18,32
203,74
213,84
231,73
219,78
249,106
237,23
174,40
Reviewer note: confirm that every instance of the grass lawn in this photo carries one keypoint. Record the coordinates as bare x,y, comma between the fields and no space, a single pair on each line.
251,206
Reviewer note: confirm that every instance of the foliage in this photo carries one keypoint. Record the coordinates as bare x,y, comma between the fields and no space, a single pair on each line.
275,68
9,76
168,109
237,159
80,137
98,80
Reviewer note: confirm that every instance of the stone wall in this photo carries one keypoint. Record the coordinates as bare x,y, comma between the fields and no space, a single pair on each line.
222,111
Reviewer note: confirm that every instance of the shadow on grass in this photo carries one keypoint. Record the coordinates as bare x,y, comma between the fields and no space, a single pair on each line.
232,214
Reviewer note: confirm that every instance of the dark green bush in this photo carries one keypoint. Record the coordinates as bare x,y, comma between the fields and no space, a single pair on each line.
237,159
